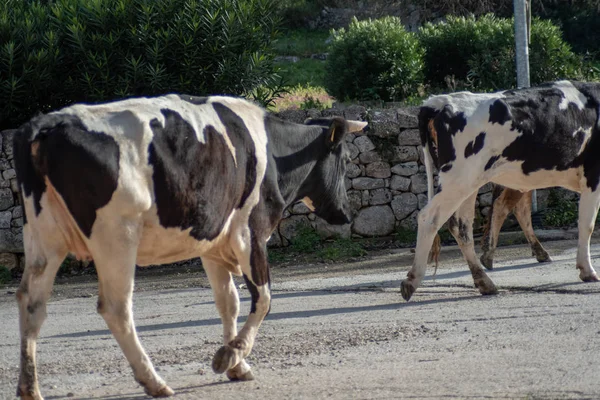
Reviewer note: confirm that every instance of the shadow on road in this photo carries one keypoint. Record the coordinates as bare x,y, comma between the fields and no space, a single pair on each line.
277,316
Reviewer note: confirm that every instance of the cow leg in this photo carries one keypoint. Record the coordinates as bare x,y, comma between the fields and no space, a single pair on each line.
588,210
256,274
32,295
503,204
461,227
523,213
115,263
431,218
228,304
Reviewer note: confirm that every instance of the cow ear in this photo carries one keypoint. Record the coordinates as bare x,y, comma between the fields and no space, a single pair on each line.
336,132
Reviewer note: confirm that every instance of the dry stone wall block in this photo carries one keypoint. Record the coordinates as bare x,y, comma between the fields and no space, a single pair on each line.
419,183
364,144
6,199
405,169
409,137
380,196
404,205
400,183
364,183
378,169
369,157
374,221
404,154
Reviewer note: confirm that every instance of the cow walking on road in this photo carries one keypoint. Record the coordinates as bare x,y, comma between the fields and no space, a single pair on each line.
522,139
505,201
157,180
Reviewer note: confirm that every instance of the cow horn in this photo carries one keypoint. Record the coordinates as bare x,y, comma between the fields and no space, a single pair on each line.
356,126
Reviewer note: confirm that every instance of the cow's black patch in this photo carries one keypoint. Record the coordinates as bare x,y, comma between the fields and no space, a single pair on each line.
547,139
244,148
446,125
446,167
197,185
479,141
197,100
82,165
491,162
474,147
499,112
254,295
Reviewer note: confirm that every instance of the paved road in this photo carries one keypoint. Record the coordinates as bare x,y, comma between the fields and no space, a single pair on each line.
341,332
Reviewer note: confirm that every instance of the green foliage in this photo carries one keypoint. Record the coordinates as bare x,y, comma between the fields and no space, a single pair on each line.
405,235
311,102
64,51
561,212
306,71
479,53
5,275
306,239
374,60
296,13
301,42
342,248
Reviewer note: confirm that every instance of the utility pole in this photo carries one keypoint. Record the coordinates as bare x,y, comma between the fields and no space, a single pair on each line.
522,34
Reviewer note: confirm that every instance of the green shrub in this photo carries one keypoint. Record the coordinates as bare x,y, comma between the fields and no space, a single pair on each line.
479,52
374,60
5,275
561,212
306,239
67,51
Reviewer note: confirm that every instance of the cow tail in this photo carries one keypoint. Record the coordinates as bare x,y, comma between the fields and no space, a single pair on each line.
436,247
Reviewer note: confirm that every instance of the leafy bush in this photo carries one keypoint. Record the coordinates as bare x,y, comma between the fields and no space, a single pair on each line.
59,52
306,239
374,60
561,212
480,52
5,275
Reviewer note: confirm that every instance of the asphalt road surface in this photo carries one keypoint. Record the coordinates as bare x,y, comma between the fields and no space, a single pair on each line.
340,331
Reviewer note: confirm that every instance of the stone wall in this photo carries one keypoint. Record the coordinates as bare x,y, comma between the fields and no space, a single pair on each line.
11,212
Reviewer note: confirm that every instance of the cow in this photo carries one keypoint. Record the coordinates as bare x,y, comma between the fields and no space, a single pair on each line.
155,180
504,201
523,139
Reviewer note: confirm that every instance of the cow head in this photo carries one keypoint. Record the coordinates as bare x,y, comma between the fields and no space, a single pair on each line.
324,192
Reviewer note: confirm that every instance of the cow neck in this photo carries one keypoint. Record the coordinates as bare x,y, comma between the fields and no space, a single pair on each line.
296,149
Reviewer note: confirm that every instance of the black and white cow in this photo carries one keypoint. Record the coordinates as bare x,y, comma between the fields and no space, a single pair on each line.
156,180
522,139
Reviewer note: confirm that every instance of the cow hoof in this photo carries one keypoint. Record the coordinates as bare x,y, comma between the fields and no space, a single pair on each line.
29,394
164,391
407,290
544,257
486,287
225,358
488,262
35,396
233,376
591,278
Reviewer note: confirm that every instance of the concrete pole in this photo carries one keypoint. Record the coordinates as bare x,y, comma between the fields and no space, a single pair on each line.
522,24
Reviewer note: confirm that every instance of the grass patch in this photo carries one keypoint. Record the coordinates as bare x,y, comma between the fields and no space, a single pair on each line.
405,236
302,43
342,248
303,97
306,71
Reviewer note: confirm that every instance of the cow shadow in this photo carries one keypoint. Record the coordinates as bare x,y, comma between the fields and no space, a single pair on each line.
274,316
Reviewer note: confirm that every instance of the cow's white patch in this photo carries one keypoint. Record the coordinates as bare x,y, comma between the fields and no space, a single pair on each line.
587,135
571,95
